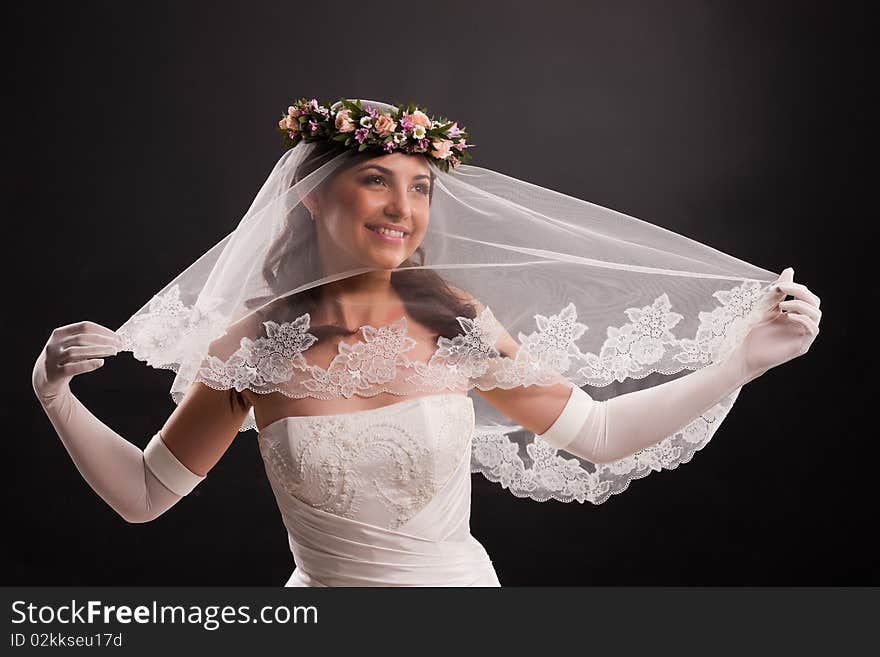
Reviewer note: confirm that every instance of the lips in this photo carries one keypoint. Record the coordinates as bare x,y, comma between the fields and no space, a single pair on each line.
386,238
376,229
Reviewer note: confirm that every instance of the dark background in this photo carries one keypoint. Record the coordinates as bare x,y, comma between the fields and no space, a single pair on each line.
739,124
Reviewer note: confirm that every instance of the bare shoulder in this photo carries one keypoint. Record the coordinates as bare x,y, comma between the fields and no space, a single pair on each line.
249,326
534,407
505,344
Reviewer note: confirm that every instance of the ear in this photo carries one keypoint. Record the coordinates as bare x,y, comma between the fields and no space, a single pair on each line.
312,203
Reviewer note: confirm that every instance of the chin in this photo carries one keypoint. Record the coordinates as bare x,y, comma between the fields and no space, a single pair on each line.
370,258
389,265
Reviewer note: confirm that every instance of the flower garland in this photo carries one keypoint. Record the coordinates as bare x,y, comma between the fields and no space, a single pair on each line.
407,129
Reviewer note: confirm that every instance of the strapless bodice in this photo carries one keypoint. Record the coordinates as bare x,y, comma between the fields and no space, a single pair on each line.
380,496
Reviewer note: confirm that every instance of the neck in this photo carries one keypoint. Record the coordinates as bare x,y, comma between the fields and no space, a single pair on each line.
367,289
363,299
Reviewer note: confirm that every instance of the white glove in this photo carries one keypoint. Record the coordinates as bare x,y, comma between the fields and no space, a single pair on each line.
138,484
607,431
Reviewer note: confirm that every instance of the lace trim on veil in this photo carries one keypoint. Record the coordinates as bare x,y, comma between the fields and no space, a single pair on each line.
635,349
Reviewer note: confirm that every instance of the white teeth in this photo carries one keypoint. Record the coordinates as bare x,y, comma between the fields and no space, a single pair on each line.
386,231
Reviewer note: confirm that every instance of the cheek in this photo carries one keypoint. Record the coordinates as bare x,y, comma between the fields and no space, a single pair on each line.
352,211
361,195
421,224
349,194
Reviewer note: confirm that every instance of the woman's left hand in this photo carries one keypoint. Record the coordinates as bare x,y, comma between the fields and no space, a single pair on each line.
786,330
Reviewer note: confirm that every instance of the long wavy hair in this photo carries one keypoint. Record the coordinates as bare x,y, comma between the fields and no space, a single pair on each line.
294,251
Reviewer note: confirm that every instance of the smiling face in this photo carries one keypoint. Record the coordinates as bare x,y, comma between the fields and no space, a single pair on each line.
391,191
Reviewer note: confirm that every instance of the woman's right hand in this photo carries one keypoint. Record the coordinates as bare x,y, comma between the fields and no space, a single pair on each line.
73,349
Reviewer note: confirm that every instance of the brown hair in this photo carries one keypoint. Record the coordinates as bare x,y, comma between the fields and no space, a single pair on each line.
438,305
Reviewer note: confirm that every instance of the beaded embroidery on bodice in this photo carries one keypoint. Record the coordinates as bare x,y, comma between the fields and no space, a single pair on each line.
380,466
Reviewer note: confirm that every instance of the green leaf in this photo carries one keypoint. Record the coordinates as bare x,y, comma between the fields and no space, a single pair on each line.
363,146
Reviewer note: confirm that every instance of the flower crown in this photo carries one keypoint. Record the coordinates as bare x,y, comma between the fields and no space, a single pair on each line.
407,129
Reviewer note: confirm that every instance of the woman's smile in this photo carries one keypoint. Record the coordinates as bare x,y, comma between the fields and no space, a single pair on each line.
393,236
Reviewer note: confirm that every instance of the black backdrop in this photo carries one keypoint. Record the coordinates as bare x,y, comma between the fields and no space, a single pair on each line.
739,124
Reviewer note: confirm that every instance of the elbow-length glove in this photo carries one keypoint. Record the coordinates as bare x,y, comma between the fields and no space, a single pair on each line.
138,484
605,431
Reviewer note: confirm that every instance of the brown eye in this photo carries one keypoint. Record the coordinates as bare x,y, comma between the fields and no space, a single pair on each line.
372,178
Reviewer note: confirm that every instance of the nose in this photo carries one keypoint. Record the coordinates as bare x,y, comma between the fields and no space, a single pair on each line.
398,204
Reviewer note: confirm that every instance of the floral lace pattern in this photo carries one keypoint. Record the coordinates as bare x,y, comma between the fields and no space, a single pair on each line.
258,363
361,368
551,475
381,467
380,363
169,327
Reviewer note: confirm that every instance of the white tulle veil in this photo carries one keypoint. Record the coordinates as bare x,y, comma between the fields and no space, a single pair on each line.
589,295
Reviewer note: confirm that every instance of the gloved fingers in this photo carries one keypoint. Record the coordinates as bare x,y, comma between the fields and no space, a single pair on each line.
89,340
767,307
72,349
81,366
787,276
811,326
76,354
799,291
803,308
85,327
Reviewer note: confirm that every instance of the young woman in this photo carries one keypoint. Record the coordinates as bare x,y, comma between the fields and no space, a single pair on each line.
374,283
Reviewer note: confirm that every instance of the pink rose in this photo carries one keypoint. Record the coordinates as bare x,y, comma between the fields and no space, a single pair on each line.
384,125
420,118
344,122
441,148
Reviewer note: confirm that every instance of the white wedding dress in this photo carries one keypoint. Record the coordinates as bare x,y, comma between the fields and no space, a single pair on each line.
379,497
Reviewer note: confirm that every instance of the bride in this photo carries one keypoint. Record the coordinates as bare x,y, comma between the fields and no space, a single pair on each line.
375,281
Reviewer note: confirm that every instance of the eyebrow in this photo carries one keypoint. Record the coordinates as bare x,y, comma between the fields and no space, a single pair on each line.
389,171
